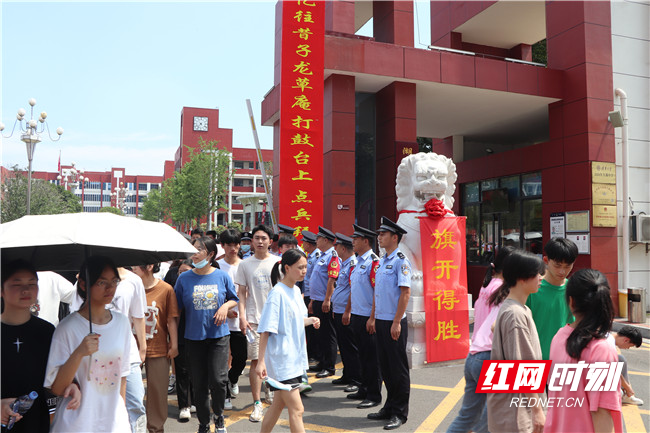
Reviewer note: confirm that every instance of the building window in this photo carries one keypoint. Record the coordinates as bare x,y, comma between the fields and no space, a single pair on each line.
260,183
498,211
142,186
238,182
154,186
239,165
141,198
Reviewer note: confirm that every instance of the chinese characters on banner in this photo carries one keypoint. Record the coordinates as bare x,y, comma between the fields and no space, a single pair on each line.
445,287
301,115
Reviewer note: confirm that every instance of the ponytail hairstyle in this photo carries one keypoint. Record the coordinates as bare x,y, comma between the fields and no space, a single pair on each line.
497,266
590,292
210,246
519,265
289,258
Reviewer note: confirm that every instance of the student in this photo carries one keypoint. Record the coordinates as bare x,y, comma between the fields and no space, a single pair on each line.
25,348
230,239
287,242
206,294
254,284
98,362
162,343
626,338
548,305
515,338
585,340
282,339
473,412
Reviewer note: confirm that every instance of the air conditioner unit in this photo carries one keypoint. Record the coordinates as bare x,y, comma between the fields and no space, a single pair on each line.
640,228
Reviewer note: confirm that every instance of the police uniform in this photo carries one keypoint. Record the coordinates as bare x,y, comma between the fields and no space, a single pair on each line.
326,267
344,336
312,258
247,236
394,272
362,293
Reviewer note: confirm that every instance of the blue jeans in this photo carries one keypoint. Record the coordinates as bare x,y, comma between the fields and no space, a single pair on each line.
473,413
135,399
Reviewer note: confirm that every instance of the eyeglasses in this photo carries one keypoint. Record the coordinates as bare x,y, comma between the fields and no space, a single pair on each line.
102,284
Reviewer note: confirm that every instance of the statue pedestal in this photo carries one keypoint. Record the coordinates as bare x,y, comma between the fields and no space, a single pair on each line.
416,343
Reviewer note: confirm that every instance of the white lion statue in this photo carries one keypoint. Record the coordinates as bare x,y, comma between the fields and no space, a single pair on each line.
421,177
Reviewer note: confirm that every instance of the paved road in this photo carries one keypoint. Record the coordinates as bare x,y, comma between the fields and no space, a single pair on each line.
436,394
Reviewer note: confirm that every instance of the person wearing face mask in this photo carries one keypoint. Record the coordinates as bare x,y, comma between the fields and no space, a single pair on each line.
205,294
245,246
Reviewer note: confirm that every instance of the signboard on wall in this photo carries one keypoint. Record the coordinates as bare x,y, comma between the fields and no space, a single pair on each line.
603,193
557,225
604,216
301,115
577,221
603,172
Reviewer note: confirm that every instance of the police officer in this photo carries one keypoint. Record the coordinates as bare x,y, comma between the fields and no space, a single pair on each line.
392,291
313,254
341,306
321,286
362,294
246,241
284,230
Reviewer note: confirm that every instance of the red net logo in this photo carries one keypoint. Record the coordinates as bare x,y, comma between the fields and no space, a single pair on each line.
513,376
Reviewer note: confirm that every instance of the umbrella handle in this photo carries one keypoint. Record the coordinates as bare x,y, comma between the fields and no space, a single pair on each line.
90,366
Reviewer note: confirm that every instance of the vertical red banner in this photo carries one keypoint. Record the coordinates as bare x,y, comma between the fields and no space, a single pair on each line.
445,287
301,115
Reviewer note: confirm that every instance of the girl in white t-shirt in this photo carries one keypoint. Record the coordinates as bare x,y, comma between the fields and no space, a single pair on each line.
98,362
282,339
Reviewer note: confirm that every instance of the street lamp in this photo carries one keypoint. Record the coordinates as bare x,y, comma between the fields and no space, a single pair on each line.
31,135
72,177
120,194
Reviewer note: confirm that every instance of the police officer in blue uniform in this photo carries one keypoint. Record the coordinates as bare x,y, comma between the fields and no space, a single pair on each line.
246,247
321,286
362,295
313,254
341,306
392,291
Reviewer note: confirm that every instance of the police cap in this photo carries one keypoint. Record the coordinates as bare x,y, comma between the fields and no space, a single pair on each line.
346,241
285,229
308,237
246,236
363,232
327,234
389,226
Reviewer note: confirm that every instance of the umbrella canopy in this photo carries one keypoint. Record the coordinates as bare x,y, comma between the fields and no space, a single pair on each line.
62,242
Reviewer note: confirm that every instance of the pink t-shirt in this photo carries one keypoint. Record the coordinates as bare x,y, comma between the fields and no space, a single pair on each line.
481,308
482,338
578,419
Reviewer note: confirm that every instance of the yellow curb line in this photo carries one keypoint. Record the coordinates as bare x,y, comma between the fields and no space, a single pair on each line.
432,422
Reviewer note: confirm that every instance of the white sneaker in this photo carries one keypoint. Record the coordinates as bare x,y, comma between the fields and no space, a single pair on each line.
258,412
184,414
227,405
234,389
193,409
268,394
630,399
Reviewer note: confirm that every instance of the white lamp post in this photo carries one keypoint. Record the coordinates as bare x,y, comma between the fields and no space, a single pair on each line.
120,194
31,135
71,177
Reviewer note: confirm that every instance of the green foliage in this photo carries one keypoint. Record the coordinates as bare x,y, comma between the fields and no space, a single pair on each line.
539,52
425,144
152,208
201,187
236,225
46,198
111,209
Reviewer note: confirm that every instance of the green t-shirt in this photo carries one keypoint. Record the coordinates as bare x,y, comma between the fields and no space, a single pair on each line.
550,313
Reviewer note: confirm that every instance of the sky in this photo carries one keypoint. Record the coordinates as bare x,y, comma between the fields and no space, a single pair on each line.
115,76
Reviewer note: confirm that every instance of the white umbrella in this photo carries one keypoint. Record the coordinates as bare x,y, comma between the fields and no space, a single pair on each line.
62,242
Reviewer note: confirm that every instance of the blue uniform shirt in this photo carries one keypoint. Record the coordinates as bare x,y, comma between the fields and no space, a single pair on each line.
311,260
342,291
321,274
363,285
283,318
200,296
394,272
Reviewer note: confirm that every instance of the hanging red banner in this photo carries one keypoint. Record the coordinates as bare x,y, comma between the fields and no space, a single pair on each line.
445,287
301,115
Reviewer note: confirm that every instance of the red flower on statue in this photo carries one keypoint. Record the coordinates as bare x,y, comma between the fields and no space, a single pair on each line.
436,208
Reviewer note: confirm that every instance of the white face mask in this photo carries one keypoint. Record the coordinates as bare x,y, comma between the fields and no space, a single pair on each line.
202,264
245,248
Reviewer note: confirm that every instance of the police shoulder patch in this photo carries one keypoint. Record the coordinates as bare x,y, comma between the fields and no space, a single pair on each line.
334,254
400,255
374,257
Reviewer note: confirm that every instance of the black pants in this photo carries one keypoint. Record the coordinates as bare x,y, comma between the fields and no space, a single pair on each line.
326,338
238,350
349,350
367,344
209,368
310,333
394,368
183,383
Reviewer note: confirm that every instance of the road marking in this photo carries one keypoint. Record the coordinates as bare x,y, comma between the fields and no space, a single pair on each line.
442,410
644,411
432,388
639,373
318,428
632,418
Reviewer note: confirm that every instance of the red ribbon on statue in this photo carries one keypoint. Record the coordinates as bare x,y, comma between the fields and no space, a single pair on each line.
436,208
445,285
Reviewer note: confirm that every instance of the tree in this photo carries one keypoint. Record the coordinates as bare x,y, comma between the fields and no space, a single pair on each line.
539,52
200,187
111,209
152,209
46,198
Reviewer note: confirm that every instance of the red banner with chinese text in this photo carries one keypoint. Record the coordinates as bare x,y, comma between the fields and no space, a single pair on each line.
301,115
445,287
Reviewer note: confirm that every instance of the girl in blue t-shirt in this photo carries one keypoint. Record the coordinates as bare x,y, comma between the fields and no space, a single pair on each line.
282,339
